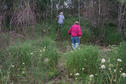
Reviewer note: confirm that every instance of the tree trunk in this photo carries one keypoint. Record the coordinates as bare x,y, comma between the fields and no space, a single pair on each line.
99,8
120,17
0,23
79,10
51,10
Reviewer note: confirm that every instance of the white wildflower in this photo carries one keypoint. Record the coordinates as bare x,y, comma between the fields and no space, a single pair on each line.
103,60
46,60
123,75
71,74
103,67
44,30
91,76
109,69
96,74
43,50
23,63
23,72
114,80
40,50
114,70
77,74
83,69
120,71
76,78
119,60
31,53
12,66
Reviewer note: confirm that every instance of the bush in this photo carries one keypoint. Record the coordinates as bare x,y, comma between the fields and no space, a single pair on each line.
112,36
84,60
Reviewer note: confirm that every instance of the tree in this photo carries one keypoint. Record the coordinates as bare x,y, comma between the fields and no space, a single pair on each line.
121,14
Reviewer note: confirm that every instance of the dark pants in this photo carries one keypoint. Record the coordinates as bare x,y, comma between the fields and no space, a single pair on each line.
59,26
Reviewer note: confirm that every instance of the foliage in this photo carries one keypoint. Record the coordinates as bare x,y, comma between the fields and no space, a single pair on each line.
42,4
32,58
111,35
113,70
84,58
109,69
122,1
122,54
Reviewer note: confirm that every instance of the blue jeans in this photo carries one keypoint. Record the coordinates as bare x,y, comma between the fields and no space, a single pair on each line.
75,42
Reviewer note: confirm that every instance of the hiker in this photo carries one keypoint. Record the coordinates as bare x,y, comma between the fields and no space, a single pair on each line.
60,20
76,33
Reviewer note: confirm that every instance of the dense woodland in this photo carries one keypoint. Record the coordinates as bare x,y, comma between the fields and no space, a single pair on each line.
17,14
32,51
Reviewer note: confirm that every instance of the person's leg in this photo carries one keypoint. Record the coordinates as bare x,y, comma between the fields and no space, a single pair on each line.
77,42
59,27
73,42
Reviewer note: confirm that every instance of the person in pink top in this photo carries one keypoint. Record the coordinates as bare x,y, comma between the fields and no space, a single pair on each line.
76,33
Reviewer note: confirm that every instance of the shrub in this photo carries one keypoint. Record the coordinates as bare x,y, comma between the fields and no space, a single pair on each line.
112,36
86,36
84,60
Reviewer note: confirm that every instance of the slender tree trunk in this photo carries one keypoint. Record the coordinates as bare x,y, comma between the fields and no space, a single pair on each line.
123,23
99,17
99,6
51,10
120,17
0,23
79,10
99,12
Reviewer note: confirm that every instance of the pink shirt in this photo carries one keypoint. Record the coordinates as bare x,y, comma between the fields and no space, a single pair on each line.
75,30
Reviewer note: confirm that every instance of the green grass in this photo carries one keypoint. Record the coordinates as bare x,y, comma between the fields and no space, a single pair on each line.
38,56
37,60
84,58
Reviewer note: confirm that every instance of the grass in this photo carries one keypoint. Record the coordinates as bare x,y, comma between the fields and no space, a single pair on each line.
83,60
37,60
31,58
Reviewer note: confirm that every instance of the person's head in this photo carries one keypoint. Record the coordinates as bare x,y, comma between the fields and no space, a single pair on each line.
76,22
61,13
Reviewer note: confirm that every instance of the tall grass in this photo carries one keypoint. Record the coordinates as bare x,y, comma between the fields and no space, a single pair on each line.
89,66
122,54
33,60
83,60
113,71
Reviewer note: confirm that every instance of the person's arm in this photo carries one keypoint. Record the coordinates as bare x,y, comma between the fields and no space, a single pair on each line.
79,32
57,17
69,31
63,17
